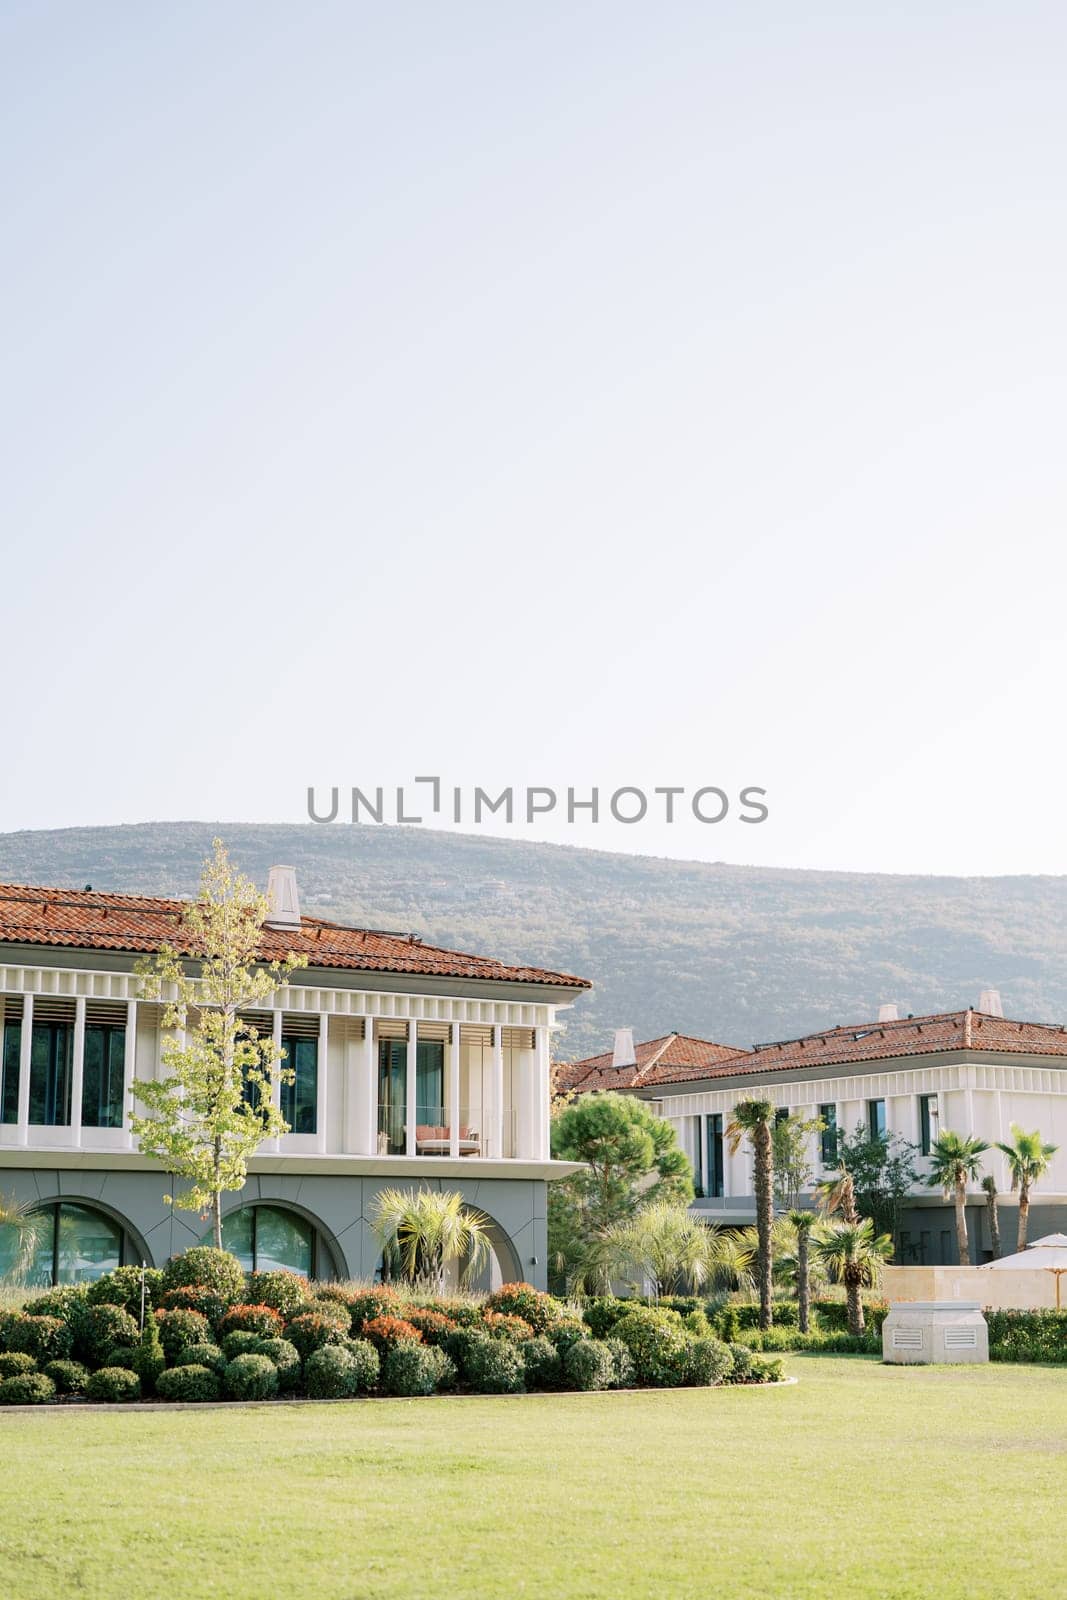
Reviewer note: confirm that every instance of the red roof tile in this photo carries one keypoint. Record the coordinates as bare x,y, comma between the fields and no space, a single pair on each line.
138,924
661,1060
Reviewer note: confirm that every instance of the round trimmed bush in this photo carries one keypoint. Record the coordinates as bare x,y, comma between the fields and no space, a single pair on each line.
207,1268
709,1362
464,1313
602,1314
434,1326
742,1357
122,1287
69,1377
588,1365
540,1310
64,1301
29,1389
100,1329
657,1344
123,1355
566,1331
418,1369
250,1377
179,1328
8,1320
503,1326
384,1332
285,1292
239,1344
286,1358
43,1338
190,1383
113,1385
195,1297
264,1322
623,1363
366,1305
200,1355
310,1330
338,1371
16,1363
492,1366
541,1363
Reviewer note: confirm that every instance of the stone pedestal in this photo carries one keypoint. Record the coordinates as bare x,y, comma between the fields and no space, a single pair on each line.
928,1332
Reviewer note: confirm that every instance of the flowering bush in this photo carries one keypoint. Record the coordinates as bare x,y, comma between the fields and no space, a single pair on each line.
384,1331
367,1305
503,1326
179,1328
310,1330
196,1297
283,1291
433,1325
264,1322
207,1268
523,1300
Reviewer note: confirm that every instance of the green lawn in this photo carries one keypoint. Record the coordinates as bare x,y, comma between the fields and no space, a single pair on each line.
861,1480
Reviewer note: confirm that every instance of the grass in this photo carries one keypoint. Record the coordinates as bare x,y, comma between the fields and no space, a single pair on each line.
862,1480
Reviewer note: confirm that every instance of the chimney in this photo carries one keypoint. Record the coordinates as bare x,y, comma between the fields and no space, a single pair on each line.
283,898
623,1054
888,1012
989,1002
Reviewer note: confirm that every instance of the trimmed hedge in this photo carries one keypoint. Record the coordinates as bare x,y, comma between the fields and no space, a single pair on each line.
122,1287
30,1389
310,1330
113,1385
339,1371
250,1378
709,1362
491,1366
240,1343
178,1329
657,1344
16,1363
417,1369
1027,1335
206,1267
284,1292
286,1358
99,1329
588,1364
541,1363
190,1384
201,1355
43,1338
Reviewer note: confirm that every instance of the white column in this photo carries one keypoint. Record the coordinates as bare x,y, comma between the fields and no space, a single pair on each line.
129,1069
496,1144
453,1091
77,1075
412,1087
542,1081
322,1094
274,1145
26,1046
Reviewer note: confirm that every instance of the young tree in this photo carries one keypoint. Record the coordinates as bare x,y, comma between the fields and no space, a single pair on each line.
752,1120
882,1172
1028,1161
802,1222
954,1163
793,1170
852,1254
213,1106
989,1184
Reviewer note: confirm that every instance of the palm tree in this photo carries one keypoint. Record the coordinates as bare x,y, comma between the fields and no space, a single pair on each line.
989,1184
801,1222
753,1120
427,1232
838,1194
663,1245
27,1231
1028,1160
853,1255
954,1163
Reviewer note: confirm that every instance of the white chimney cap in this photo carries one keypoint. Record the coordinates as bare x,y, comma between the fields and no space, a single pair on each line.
283,898
624,1054
888,1012
989,1002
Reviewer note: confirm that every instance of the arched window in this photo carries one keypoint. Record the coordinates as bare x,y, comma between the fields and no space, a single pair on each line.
264,1238
60,1243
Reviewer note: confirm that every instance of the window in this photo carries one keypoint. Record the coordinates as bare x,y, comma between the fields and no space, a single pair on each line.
876,1123
64,1244
299,1099
828,1137
51,1060
430,1082
715,1186
103,1079
267,1239
697,1138
781,1115
929,1126
9,1086
392,1095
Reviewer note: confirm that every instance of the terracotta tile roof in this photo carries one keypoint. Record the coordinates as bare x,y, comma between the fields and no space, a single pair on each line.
138,924
675,1055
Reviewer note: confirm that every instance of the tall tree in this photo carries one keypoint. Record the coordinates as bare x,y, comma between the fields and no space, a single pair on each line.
852,1254
752,1121
989,1184
1028,1161
954,1163
212,1107
802,1222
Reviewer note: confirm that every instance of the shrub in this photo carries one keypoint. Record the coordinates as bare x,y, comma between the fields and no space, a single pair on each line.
122,1287
540,1310
367,1305
200,1355
43,1338
14,1363
338,1371
566,1331
708,1362
250,1377
492,1366
785,1313
264,1322
743,1360
464,1313
285,1292
766,1371
434,1326
657,1344
416,1369
112,1385
123,1355
602,1314
696,1323
148,1358
386,1331
541,1363
501,1325
8,1319
190,1383
623,1363
286,1358
1023,1335
240,1344
207,1268
65,1301
832,1315
310,1330
195,1297
178,1328
29,1389
102,1328
728,1325
69,1377
588,1365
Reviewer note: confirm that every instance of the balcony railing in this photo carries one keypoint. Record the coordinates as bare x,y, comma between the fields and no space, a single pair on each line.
474,1130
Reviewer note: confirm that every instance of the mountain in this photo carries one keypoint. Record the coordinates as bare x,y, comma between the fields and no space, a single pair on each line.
736,954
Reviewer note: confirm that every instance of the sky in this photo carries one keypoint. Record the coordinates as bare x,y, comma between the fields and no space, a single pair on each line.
572,395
